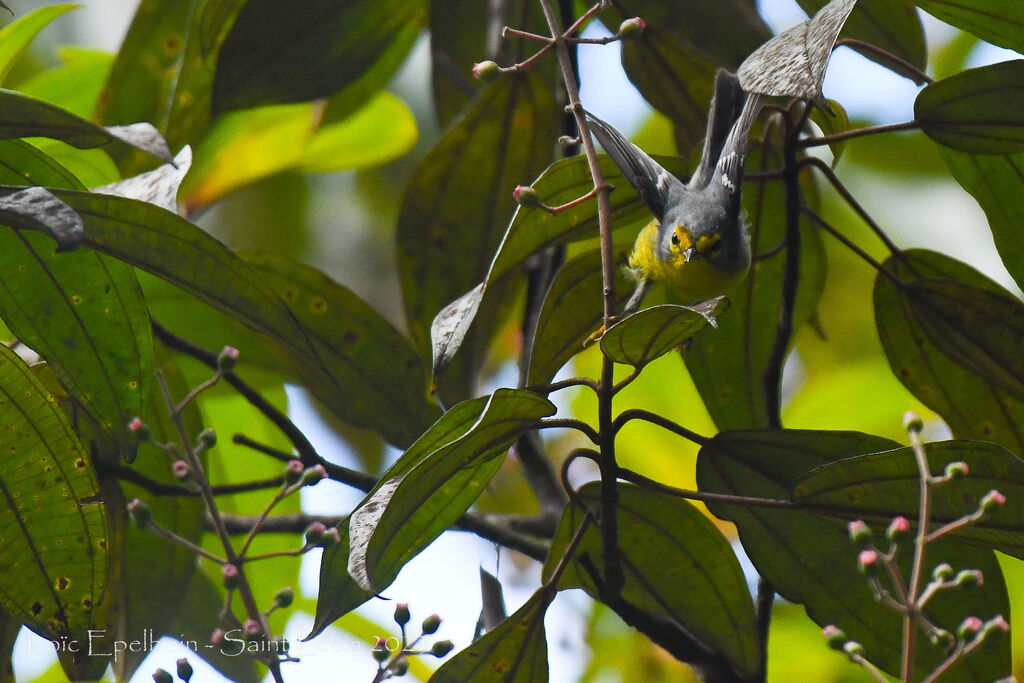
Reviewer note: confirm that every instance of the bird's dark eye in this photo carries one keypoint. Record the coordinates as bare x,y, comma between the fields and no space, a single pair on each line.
675,239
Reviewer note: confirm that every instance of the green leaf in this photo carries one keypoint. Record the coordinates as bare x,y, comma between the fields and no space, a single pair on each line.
16,36
883,485
972,407
306,49
75,85
676,564
653,332
172,248
339,593
675,79
1000,22
976,111
458,202
572,312
410,509
54,545
728,364
809,558
892,25
830,124
515,652
244,147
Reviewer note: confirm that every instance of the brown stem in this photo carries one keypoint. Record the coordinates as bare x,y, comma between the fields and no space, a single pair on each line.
857,133
641,414
703,496
916,74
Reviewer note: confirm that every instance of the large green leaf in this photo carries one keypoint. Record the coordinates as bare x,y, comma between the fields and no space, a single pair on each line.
53,527
458,203
172,248
409,510
977,111
1000,22
893,25
809,558
884,485
677,565
515,652
653,332
996,182
16,36
306,49
728,364
972,407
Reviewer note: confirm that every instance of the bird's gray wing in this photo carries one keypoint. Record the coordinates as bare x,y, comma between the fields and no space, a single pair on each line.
726,105
651,181
729,170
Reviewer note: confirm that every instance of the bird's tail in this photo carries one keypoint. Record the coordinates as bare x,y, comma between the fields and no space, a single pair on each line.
726,106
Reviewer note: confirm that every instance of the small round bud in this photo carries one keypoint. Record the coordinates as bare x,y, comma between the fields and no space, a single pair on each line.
969,578
898,529
184,670
867,561
227,359
230,573
969,627
315,533
853,648
380,650
486,71
941,638
835,637
285,597
441,648
912,422
995,626
402,615
527,197
630,29
991,501
140,513
293,472
139,428
943,572
217,637
400,667
161,676
252,627
181,470
859,532
314,474
331,537
431,624
207,438
956,470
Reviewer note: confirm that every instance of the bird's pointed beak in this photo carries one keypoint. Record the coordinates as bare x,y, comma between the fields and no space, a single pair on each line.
690,253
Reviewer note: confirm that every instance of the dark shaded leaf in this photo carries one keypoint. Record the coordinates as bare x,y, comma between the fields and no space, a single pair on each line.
653,332
978,111
16,36
55,551
972,407
792,64
409,510
728,364
676,565
339,593
893,25
809,558
457,42
9,630
572,312
1000,22
306,49
883,485
459,201
830,124
515,652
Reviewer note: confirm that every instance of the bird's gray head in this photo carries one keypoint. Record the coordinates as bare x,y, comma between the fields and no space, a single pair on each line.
703,228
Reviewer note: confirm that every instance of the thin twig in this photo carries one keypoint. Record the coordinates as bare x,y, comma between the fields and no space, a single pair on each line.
920,543
861,46
647,416
856,133
704,496
571,423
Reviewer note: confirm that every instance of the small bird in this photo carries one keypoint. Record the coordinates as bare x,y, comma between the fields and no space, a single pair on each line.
697,244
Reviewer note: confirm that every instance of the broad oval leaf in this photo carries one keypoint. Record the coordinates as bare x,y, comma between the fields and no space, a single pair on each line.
830,124
808,556
572,313
16,36
978,111
653,332
883,485
305,49
892,25
676,565
53,527
514,652
1000,22
409,510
